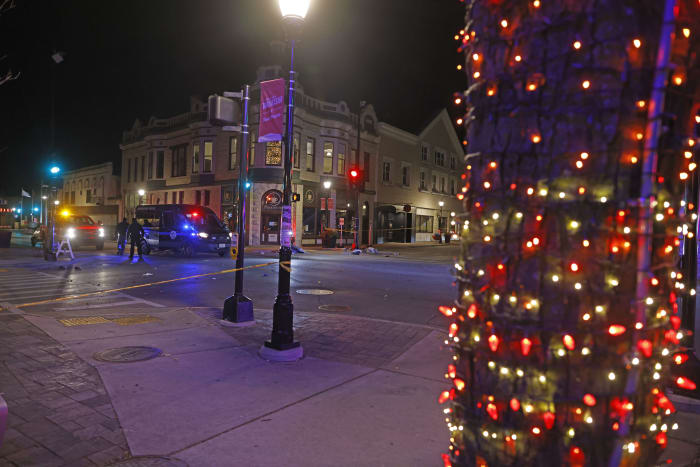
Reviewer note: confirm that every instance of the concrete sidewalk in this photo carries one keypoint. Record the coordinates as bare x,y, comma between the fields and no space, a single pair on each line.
364,395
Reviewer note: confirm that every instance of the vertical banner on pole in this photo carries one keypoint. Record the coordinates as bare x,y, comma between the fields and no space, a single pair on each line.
271,110
286,233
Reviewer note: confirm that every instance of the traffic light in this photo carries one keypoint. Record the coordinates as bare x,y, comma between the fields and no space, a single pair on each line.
356,178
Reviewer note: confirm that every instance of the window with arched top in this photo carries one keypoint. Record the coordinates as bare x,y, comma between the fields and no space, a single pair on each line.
73,185
102,182
87,183
80,186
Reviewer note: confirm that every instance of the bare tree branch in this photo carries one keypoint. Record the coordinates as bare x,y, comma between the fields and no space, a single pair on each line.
6,5
9,76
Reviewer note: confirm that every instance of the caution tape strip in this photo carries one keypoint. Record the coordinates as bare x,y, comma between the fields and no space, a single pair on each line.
150,284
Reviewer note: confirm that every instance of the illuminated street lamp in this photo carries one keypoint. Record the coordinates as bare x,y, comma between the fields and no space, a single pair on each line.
55,170
141,192
281,346
56,202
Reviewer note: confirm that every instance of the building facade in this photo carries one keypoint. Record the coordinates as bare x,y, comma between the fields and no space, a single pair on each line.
419,180
94,191
185,159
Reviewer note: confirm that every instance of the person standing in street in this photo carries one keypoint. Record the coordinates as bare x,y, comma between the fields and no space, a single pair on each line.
122,227
135,234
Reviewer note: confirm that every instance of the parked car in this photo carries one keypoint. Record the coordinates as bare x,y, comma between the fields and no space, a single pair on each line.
185,228
81,230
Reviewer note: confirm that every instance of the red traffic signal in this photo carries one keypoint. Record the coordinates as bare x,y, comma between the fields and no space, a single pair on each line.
354,174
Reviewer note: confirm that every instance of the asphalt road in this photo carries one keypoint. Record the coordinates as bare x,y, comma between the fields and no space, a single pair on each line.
405,288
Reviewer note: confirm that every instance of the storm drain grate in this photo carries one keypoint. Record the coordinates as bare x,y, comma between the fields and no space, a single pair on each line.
83,321
314,292
127,354
337,308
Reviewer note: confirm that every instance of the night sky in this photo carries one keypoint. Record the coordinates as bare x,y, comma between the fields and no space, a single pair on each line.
132,59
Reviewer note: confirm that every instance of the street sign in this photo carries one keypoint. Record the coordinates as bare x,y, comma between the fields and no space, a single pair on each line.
224,111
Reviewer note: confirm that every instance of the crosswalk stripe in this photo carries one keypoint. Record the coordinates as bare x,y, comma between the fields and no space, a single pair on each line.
11,296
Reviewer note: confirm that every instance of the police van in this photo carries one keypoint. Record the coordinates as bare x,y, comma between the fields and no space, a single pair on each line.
184,228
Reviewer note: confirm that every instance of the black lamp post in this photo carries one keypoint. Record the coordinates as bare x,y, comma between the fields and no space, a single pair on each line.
281,346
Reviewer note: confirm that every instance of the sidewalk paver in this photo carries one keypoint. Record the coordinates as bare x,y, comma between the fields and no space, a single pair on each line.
59,411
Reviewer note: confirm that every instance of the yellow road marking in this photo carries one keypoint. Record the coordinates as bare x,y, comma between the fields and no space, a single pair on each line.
168,281
83,321
130,320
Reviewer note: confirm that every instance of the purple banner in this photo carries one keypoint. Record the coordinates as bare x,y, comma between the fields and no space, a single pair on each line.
271,110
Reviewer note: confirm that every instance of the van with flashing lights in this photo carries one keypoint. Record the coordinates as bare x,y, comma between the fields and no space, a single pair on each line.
183,228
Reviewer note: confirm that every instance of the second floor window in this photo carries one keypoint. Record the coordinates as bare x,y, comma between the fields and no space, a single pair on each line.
452,187
405,176
440,158
442,184
273,153
208,156
453,162
434,182
310,160
232,152
128,170
296,153
327,158
160,164
386,172
179,161
251,154
143,167
424,153
195,159
341,159
422,181
150,165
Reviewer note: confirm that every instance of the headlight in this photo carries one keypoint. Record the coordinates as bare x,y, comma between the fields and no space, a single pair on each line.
101,232
70,233
203,234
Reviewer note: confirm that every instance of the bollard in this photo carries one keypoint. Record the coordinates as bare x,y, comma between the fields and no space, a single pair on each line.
3,418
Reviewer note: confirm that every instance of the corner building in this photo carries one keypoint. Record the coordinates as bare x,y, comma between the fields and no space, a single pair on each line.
184,159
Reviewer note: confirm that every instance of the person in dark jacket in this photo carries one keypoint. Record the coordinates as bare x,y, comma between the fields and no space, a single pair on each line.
135,234
121,235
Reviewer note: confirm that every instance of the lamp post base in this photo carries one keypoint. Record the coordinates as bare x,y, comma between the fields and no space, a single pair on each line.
292,354
238,309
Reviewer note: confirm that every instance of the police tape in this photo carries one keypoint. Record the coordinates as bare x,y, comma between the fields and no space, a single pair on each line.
285,264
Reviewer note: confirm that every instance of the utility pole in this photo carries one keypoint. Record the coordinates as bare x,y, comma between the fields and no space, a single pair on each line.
356,221
239,308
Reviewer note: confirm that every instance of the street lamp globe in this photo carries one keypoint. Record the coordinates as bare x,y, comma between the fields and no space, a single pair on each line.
54,170
56,202
141,192
441,203
44,197
327,184
296,9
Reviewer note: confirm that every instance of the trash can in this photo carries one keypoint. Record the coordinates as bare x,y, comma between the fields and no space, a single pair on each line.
5,238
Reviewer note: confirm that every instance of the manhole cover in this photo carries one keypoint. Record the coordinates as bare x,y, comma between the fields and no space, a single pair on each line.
314,292
150,461
334,308
127,354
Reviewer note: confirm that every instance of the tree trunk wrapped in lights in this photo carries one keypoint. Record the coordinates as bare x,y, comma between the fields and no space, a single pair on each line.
567,316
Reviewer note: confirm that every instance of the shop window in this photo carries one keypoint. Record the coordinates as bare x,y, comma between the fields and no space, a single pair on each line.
273,153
